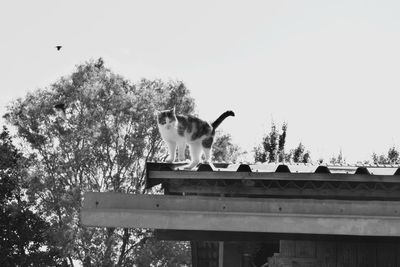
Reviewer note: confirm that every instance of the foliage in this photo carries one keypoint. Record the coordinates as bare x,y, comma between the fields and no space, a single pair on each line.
152,252
392,157
300,155
272,146
224,150
339,159
23,233
281,143
101,144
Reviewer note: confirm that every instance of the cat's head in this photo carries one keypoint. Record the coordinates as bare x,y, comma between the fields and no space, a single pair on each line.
166,117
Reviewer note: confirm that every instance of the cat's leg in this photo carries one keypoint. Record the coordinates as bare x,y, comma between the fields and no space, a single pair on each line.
206,145
181,151
171,151
207,155
207,160
195,154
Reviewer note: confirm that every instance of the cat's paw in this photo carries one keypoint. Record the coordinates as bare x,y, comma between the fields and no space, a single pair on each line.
188,167
191,165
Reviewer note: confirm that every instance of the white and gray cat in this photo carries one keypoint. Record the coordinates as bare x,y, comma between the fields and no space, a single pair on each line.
181,130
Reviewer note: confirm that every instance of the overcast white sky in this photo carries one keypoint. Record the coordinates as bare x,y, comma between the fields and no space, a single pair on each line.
328,68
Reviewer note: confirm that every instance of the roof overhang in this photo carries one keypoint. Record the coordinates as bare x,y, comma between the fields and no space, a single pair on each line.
287,216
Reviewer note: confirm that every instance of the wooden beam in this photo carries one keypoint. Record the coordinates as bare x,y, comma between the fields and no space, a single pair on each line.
302,216
272,238
230,175
320,192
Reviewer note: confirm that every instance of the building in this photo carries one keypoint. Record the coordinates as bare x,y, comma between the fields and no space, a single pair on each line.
266,214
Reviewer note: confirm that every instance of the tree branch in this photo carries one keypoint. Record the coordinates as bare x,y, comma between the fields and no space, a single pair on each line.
125,239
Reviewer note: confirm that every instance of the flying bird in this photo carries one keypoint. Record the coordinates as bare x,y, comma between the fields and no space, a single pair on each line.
58,47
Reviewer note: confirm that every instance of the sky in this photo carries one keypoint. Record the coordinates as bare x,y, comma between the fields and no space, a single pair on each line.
330,69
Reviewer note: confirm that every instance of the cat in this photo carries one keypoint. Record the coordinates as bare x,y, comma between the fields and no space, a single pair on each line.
179,130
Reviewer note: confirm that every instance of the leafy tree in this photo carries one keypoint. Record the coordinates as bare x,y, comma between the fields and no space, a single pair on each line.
281,143
392,157
272,145
272,148
23,233
300,155
259,154
307,157
98,138
339,159
152,252
224,150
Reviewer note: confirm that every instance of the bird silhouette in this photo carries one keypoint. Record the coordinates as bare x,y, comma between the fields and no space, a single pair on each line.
58,47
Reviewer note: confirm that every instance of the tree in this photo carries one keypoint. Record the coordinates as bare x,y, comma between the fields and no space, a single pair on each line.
300,155
339,159
23,233
152,252
224,150
393,155
391,158
281,143
307,157
272,146
101,144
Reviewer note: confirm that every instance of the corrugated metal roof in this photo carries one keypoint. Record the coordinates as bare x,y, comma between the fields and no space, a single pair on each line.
278,180
293,168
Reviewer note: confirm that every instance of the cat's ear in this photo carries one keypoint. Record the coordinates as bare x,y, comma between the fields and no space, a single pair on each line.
156,113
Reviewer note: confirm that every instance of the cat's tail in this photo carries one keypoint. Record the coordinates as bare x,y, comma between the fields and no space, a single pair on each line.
220,119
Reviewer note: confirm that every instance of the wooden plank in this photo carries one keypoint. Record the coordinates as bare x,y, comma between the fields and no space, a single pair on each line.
228,175
193,246
273,238
280,261
249,206
207,254
398,255
287,248
182,235
243,190
326,253
366,255
305,249
386,255
232,254
347,255
335,217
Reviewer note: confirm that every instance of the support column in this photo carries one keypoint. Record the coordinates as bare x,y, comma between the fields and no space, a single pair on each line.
221,254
